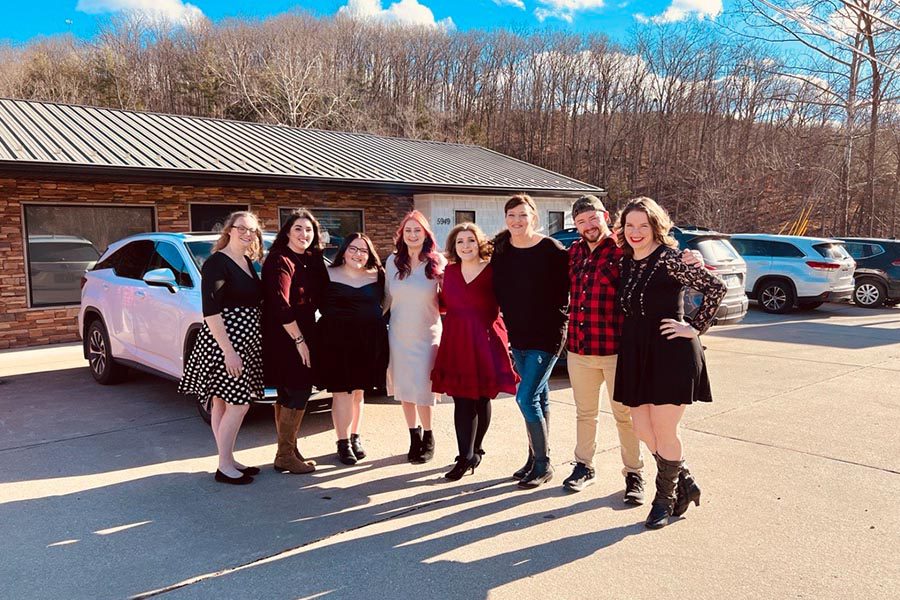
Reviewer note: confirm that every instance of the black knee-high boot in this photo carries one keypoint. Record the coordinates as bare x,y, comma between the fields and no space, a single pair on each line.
687,491
666,480
542,471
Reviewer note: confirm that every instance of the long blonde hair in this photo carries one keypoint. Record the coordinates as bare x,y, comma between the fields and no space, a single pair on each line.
255,252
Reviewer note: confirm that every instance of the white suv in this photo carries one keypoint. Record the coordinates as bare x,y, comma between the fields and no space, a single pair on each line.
784,271
141,305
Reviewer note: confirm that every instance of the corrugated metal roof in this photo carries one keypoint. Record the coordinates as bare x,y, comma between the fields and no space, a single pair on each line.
62,134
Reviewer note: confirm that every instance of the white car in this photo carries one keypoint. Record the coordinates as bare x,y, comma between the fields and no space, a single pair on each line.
788,271
141,305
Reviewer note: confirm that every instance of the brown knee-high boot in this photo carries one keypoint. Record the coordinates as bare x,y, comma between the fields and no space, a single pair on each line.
287,423
666,480
308,461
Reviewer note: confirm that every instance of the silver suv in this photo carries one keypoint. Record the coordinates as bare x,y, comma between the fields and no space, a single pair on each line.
788,271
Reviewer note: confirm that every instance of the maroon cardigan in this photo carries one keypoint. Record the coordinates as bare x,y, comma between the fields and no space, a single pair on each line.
293,286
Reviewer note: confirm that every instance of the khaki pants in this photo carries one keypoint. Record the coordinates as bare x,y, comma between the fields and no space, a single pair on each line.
589,376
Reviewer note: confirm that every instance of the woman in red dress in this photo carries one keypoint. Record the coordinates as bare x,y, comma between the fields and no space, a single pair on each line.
472,363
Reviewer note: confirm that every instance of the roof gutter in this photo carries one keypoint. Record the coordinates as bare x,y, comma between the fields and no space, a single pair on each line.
118,174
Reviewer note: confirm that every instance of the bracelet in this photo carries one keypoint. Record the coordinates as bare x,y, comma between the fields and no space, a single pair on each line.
298,340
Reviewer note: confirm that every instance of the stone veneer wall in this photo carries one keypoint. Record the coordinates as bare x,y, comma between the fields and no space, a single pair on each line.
22,326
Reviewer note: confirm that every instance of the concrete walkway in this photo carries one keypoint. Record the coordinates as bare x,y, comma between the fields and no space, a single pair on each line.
106,492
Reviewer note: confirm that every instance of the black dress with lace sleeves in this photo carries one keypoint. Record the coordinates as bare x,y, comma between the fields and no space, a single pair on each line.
712,288
652,369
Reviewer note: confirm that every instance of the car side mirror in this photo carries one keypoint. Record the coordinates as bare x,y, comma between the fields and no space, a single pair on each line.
161,277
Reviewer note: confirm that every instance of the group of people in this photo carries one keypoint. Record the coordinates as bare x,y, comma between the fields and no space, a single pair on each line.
481,318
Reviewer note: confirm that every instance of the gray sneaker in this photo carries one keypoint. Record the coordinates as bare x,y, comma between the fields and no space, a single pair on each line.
581,477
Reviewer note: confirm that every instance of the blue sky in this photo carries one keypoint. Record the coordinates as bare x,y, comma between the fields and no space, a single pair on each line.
24,20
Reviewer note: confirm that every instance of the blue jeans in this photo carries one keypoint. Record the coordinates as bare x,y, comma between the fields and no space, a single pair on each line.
533,395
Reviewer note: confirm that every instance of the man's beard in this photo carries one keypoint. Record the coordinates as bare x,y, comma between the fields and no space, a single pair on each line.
592,236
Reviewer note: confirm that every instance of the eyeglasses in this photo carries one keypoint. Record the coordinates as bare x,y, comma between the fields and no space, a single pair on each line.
245,230
355,250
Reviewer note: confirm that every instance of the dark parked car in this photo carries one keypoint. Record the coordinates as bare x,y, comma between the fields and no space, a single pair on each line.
877,274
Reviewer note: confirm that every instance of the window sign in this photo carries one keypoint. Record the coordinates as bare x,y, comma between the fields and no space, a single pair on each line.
465,216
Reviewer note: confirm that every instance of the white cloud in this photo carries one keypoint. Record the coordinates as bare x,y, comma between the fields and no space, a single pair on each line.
516,3
175,11
565,9
404,12
680,10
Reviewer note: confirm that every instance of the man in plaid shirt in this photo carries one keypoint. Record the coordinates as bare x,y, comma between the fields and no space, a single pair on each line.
595,324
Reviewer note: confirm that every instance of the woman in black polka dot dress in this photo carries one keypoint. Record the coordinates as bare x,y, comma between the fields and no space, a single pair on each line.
225,366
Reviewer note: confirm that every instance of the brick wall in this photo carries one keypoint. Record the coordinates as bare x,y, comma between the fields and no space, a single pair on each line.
22,326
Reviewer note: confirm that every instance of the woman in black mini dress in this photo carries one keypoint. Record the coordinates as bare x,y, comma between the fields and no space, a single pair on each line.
661,368
225,366
352,339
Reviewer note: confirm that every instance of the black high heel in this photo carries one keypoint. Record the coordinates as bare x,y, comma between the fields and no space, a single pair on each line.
462,465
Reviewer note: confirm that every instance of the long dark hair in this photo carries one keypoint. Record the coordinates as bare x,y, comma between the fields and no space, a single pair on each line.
373,263
501,240
428,254
281,240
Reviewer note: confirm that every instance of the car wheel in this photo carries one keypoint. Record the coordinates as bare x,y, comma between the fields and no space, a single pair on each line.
103,366
810,305
776,297
204,409
869,293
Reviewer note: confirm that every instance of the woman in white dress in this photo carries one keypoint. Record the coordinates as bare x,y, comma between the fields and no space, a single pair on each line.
414,272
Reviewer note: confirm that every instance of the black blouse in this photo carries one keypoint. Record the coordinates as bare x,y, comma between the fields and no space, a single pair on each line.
226,285
653,288
532,288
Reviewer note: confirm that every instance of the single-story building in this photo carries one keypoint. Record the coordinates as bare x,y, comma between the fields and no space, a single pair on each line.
75,178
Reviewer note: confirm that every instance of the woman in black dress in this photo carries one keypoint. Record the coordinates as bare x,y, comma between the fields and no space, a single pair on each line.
225,366
294,280
353,341
661,368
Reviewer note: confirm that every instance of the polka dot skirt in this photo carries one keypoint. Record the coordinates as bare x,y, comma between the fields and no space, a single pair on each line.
205,375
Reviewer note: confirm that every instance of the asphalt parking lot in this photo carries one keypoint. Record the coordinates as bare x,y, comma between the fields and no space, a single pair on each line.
107,492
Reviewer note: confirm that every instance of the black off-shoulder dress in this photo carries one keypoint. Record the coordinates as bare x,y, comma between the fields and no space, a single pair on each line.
652,369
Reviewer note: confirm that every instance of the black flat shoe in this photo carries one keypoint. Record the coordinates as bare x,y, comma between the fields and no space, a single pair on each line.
244,479
250,471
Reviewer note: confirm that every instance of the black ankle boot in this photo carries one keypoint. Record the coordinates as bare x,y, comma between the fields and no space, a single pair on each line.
462,465
345,452
356,445
666,481
427,447
415,445
542,471
687,491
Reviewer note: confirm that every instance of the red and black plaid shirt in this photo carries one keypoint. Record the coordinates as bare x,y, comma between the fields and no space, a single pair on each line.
595,319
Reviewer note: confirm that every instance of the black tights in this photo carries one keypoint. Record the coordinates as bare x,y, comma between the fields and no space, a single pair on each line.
472,417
